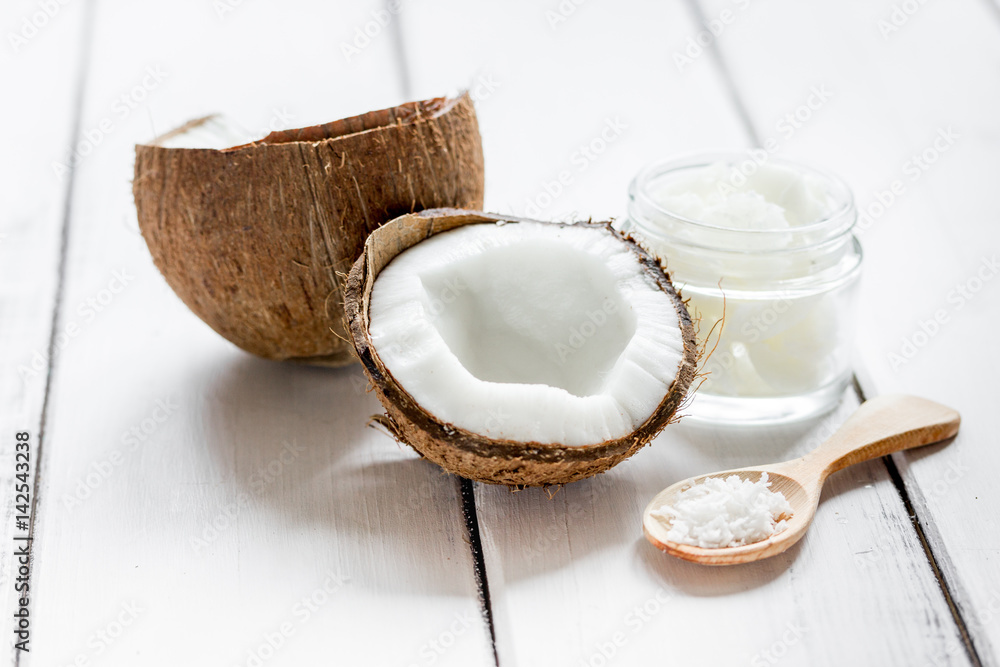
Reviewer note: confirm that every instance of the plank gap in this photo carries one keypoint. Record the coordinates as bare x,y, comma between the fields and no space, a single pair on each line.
904,495
478,560
399,47
469,511
745,118
727,78
897,480
76,121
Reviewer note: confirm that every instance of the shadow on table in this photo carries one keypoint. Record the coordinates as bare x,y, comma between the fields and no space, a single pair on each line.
708,581
309,473
534,534
294,440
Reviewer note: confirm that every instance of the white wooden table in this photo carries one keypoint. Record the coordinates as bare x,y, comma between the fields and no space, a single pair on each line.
196,506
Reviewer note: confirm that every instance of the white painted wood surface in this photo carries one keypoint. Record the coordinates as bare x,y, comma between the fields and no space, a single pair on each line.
565,123
213,504
199,497
32,202
914,100
572,579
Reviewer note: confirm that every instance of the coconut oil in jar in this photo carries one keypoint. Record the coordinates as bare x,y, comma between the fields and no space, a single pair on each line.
764,251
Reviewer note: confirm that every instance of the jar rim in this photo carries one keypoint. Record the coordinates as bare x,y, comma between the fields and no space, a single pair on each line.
837,223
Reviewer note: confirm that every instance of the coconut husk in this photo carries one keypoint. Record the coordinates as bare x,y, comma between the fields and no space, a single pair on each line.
256,239
469,454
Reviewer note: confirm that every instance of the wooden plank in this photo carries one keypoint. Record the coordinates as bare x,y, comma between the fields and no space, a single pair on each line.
201,506
860,571
916,134
565,124
571,579
37,47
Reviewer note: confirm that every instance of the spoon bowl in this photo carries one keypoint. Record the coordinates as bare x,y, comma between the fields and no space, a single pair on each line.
802,500
879,427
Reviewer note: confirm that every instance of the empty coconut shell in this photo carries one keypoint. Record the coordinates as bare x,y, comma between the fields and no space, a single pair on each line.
255,239
471,454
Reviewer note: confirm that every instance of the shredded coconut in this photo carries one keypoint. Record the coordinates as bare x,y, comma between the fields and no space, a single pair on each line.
726,512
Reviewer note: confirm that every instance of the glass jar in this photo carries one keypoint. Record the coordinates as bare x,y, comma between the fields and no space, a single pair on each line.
763,249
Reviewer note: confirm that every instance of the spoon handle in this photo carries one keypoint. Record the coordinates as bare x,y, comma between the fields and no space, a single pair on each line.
884,425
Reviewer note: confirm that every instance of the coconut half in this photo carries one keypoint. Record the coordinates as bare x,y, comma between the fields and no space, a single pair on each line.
255,239
518,352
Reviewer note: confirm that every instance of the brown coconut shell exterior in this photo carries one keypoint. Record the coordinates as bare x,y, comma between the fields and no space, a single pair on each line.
256,239
469,454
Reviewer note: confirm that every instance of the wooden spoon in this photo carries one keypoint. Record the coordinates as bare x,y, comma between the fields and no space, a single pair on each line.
880,426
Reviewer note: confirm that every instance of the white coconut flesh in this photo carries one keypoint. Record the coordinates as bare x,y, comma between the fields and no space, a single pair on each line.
530,332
